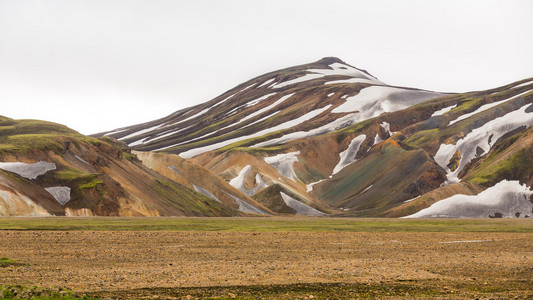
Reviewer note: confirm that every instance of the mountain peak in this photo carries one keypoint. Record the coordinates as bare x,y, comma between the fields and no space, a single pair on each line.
331,60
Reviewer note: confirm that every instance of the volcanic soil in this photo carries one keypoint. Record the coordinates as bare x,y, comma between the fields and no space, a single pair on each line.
128,264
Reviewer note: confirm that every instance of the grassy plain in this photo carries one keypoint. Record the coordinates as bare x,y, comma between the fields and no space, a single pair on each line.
265,224
268,258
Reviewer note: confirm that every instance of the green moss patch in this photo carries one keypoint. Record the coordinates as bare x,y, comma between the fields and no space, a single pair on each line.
36,293
7,262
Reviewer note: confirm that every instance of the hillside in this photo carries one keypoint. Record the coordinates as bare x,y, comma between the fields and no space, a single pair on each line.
328,138
49,169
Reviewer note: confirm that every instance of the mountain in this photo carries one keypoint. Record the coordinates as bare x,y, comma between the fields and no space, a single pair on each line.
49,169
329,138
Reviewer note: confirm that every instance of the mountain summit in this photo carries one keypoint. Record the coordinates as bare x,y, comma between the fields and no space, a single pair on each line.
284,105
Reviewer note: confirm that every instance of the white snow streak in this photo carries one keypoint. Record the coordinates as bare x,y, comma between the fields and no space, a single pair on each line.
286,125
335,69
442,111
352,80
267,82
366,189
523,84
347,156
413,199
136,133
265,109
205,192
81,159
310,186
304,78
335,125
255,101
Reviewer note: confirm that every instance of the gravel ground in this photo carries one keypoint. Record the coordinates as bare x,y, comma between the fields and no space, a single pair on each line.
115,262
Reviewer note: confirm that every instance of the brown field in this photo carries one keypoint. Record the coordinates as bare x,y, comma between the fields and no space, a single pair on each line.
225,264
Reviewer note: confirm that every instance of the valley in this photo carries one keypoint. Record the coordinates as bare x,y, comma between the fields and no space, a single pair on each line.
271,258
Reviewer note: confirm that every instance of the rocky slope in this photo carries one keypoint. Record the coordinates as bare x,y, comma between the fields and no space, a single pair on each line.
49,169
328,138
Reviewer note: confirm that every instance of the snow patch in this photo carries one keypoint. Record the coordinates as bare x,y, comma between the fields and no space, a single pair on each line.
255,101
238,182
347,156
507,199
60,193
246,207
377,140
29,171
284,163
267,82
331,94
173,168
386,126
480,140
205,192
309,187
352,80
442,111
374,100
299,207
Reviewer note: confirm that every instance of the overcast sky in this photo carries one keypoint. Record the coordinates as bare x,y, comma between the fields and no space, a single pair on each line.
99,65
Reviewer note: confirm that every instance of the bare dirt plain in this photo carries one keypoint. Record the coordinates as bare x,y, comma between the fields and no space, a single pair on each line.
162,264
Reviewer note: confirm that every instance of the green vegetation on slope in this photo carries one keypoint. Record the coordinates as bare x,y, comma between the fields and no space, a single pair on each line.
518,165
31,135
189,201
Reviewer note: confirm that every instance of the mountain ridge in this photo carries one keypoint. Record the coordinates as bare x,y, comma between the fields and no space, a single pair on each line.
333,151
318,139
